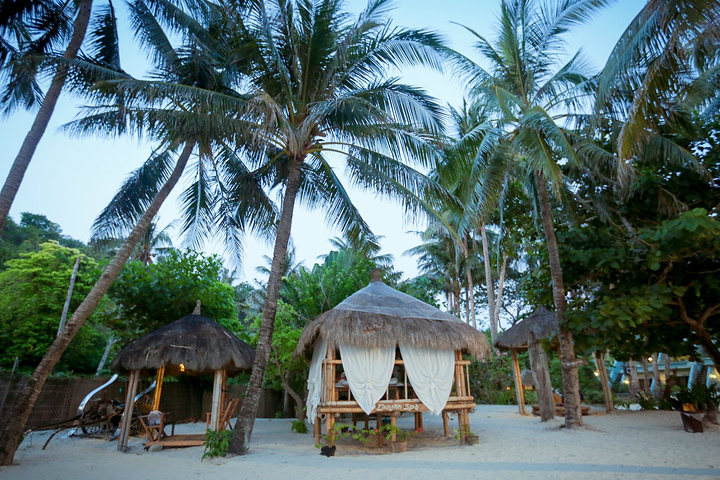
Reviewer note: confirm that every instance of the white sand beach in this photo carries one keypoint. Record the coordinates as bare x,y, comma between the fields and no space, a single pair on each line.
626,444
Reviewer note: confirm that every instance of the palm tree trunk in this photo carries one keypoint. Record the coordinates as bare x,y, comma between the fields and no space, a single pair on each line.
470,291
569,363
490,283
501,287
12,425
27,150
240,440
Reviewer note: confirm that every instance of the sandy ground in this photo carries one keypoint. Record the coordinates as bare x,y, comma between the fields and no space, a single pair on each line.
626,444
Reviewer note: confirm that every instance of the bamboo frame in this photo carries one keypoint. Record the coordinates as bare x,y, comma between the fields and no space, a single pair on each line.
460,400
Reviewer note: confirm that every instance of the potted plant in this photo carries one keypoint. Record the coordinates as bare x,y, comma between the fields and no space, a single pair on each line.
399,444
699,401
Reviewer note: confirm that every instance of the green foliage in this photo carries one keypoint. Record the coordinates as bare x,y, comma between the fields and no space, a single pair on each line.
700,396
491,380
312,292
423,287
33,289
646,400
29,235
299,426
590,388
149,296
281,365
216,443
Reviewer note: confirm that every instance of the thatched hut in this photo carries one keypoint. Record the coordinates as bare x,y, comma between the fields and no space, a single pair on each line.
527,334
398,355
192,345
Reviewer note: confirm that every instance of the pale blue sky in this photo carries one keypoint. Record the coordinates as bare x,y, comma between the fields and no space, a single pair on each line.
71,179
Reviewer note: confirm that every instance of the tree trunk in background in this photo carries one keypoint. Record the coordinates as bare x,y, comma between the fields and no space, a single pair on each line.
27,150
13,423
66,307
240,440
501,287
569,363
106,353
543,386
657,384
646,375
599,359
634,386
490,284
470,291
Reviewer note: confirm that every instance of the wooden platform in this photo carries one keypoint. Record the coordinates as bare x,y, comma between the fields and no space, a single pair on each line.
559,411
175,441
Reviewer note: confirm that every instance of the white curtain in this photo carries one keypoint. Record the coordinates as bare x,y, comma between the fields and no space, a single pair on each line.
315,378
368,372
431,373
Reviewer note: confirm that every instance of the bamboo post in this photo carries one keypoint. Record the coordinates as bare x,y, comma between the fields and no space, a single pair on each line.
393,424
158,387
128,412
519,392
446,423
216,401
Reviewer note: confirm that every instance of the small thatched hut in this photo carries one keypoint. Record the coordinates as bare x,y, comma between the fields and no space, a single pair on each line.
192,345
397,353
527,334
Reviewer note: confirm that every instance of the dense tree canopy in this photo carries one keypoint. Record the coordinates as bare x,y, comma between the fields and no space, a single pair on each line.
149,296
33,289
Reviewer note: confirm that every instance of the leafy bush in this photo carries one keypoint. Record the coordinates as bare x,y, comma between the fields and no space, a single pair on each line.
491,380
299,426
216,443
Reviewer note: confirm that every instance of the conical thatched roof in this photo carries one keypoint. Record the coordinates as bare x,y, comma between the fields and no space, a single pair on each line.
541,323
380,316
201,345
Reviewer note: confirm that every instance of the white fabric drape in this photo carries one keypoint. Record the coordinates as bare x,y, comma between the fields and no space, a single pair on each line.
315,378
431,373
368,372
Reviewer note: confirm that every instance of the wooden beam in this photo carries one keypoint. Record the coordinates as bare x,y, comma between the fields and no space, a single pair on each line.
128,411
216,400
517,378
158,387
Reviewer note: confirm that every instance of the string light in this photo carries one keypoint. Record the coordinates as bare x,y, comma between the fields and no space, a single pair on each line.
182,367
597,374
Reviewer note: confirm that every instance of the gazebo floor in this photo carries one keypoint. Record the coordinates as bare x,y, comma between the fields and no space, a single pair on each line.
174,441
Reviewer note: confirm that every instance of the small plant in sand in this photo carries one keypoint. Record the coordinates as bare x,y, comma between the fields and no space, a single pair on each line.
299,426
216,443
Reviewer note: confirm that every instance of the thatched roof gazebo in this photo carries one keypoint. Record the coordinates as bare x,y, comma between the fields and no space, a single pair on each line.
527,334
192,345
398,353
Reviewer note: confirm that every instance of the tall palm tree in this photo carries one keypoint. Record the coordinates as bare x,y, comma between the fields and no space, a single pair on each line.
177,132
533,92
29,89
476,182
320,93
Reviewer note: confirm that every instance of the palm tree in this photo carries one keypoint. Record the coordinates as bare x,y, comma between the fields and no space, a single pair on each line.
662,71
533,93
155,179
11,23
476,182
319,92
